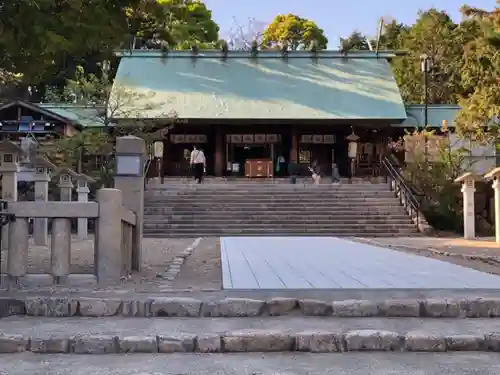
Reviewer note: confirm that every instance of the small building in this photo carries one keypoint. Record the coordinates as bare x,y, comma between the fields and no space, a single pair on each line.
241,108
45,121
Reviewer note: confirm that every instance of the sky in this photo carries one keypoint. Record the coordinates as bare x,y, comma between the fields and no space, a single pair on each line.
336,18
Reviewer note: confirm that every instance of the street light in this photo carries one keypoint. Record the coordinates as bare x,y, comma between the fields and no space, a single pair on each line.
425,68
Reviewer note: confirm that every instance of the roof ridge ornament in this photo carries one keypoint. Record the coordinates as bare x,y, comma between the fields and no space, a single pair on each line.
284,49
254,48
224,47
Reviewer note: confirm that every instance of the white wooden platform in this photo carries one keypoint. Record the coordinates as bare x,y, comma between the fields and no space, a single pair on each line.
331,263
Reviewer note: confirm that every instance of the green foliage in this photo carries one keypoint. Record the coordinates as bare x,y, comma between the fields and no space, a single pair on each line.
299,33
44,41
431,172
180,23
67,151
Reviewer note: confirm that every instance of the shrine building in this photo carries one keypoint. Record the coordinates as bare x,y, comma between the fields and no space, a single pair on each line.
242,109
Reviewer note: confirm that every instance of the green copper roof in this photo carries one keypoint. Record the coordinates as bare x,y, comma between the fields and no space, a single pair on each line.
82,115
436,113
267,87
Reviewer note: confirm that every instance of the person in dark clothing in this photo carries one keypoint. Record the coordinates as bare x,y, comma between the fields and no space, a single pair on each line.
292,172
198,164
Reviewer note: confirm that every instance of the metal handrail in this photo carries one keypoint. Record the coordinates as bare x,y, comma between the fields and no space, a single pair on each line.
401,190
147,165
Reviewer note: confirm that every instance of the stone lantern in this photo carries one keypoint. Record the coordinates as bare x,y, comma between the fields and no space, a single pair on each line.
468,181
82,189
66,178
41,177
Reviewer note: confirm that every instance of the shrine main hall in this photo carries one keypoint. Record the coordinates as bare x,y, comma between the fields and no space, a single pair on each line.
270,107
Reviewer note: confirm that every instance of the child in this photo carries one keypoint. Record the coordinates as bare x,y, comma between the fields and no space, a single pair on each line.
314,168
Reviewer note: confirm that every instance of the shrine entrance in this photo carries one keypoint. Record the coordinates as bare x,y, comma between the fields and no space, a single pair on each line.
253,155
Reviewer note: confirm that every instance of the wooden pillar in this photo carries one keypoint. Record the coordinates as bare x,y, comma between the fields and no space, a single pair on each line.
219,152
165,159
294,151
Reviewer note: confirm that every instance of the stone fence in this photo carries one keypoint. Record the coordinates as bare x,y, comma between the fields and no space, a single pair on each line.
115,238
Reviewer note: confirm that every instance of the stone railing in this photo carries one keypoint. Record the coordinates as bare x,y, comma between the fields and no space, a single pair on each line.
115,238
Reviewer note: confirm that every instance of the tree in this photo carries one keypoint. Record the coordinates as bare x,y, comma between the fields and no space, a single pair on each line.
433,34
241,37
355,42
296,32
432,171
480,70
44,39
178,23
94,91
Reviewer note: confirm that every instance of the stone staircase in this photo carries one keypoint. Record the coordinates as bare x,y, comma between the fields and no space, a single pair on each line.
257,209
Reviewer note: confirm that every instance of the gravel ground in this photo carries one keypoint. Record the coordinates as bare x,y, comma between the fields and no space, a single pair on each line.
157,253
202,270
481,254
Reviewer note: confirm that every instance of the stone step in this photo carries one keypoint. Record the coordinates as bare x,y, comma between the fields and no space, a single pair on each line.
270,206
282,233
313,190
278,225
304,217
248,202
268,187
284,210
250,198
108,335
276,221
231,196
361,231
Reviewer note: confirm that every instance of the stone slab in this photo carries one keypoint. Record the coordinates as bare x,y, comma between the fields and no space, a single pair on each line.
105,335
176,306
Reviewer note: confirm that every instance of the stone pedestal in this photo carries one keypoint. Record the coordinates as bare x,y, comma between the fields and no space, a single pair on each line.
469,213
131,149
9,157
83,191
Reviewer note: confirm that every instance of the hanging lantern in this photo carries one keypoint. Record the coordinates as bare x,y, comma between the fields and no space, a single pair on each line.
352,145
158,149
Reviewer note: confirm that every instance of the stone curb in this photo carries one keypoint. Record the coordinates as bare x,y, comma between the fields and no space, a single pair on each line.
253,341
173,269
472,307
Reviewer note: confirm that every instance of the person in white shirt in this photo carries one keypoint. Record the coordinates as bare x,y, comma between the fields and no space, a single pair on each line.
198,164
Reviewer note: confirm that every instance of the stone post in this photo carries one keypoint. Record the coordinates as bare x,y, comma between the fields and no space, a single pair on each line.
130,157
494,175
468,189
83,191
108,242
41,178
66,178
9,158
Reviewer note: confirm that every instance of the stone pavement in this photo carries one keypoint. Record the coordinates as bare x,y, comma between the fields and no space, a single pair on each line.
254,364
